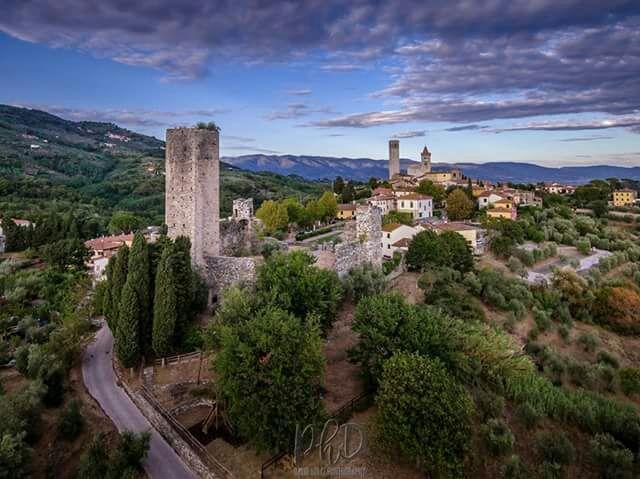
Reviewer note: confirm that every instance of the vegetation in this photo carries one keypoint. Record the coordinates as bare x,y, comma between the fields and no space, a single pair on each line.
125,460
449,249
459,205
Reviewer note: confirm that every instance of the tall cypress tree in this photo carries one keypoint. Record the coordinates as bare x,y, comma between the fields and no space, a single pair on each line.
107,301
118,279
138,276
128,330
181,264
164,305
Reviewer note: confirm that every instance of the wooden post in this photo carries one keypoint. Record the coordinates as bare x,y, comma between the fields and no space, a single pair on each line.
199,368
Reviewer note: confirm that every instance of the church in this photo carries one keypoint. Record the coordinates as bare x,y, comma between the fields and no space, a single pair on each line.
421,171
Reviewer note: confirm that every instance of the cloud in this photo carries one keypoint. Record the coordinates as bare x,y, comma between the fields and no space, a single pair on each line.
587,138
576,125
455,61
409,134
303,92
253,149
243,139
296,110
467,127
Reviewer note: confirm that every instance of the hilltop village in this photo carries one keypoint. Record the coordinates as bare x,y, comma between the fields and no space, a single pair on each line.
460,328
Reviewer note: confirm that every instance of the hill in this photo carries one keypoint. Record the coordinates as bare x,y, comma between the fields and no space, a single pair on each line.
319,167
94,168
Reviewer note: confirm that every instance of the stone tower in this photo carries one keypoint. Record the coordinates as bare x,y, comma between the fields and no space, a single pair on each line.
394,158
192,193
426,159
242,209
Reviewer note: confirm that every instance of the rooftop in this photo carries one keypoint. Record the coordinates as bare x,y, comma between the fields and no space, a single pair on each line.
456,226
389,227
415,196
108,242
402,243
347,207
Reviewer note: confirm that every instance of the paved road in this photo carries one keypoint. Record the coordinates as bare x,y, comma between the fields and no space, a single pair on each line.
585,264
97,372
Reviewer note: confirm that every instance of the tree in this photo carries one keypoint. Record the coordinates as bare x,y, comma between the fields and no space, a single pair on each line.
373,183
184,285
138,274
291,282
71,422
273,215
428,187
295,211
348,193
402,218
459,206
116,283
128,331
15,456
269,369
123,222
66,254
328,205
164,306
338,185
448,249
424,413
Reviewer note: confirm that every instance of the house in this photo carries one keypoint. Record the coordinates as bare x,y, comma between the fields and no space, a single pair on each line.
558,189
488,198
346,211
102,249
392,234
420,206
474,235
624,197
380,191
386,203
519,197
503,209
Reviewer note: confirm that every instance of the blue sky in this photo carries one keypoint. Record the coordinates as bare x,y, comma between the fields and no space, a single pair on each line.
548,82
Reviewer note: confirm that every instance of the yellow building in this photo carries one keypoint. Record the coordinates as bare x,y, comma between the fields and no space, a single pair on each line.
624,197
474,236
503,209
346,212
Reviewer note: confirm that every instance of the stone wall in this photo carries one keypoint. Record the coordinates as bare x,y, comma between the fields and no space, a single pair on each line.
236,237
192,196
224,271
366,247
242,209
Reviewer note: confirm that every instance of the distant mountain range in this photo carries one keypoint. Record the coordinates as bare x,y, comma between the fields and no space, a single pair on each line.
321,167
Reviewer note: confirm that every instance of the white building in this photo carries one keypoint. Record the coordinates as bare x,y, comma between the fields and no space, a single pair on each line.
386,203
396,237
420,206
487,199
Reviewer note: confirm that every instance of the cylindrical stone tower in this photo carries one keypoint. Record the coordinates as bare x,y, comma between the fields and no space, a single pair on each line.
192,191
394,158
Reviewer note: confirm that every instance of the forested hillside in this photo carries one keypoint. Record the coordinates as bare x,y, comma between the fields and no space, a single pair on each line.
94,169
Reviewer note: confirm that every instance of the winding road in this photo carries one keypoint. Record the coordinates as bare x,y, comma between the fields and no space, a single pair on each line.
101,382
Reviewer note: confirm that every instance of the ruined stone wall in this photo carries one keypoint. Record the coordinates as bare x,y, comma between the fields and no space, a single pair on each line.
192,193
242,209
224,271
367,245
236,237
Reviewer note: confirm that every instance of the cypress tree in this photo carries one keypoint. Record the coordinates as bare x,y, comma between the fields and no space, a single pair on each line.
164,306
128,330
107,301
138,276
181,264
118,279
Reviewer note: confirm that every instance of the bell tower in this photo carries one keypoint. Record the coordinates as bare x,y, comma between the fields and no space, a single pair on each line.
426,159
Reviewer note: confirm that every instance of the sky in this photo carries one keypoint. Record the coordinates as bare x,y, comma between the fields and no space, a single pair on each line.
552,82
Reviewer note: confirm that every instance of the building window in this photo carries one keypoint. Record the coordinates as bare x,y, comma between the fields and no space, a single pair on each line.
389,246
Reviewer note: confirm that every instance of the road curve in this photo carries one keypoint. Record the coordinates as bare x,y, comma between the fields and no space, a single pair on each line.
100,380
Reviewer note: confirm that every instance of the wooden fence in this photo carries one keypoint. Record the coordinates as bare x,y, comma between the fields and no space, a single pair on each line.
177,358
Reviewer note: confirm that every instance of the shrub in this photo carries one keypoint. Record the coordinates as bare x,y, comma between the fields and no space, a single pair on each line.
514,468
581,374
516,266
541,318
71,422
555,448
608,359
565,333
423,413
613,459
589,342
490,405
630,380
364,280
583,246
498,437
528,414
